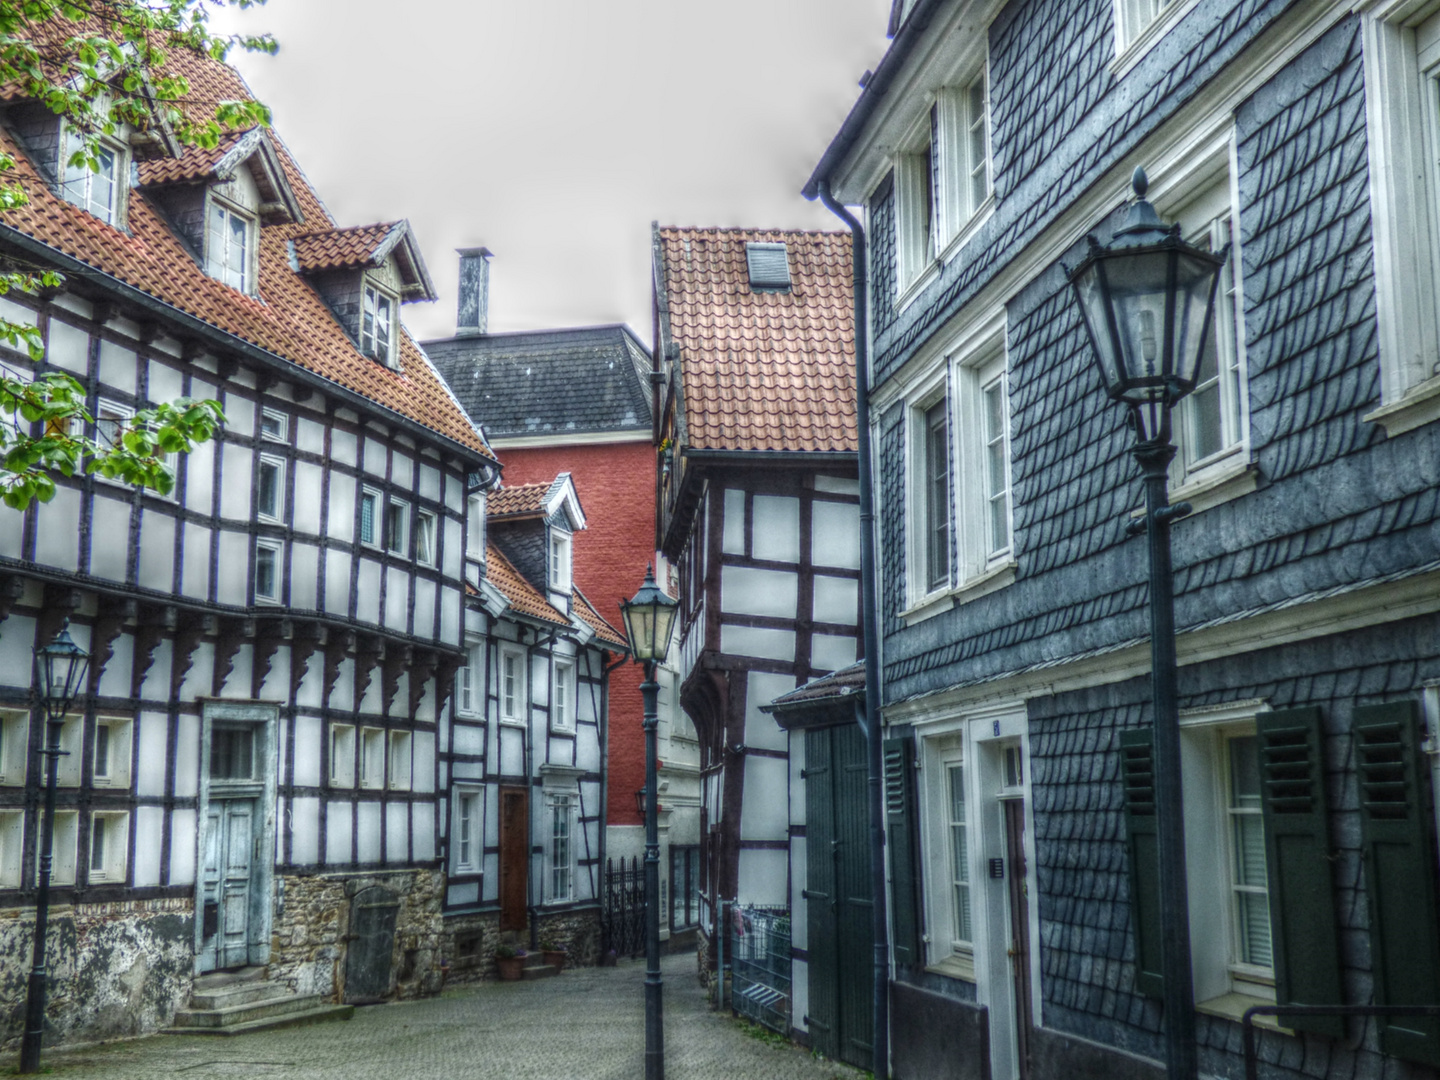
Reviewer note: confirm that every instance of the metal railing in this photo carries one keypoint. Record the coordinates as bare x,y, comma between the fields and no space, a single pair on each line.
1252,1062
622,909
757,954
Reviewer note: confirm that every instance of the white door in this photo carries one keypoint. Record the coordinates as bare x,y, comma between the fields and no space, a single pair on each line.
225,884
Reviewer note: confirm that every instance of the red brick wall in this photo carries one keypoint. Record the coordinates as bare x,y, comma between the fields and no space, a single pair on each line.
616,485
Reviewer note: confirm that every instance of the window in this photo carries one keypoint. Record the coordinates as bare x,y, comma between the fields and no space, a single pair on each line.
684,887
559,561
14,747
267,571
400,761
274,425
983,481
995,433
475,526
372,758
1132,17
342,755
111,420
100,189
396,521
227,247
425,537
111,758
232,753
63,839
376,327
560,852
468,835
369,531
769,267
512,686
964,120
562,697
1251,908
947,816
470,681
12,843
109,842
915,204
936,479
270,489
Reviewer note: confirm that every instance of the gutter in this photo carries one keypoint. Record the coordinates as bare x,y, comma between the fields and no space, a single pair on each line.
786,457
876,86
224,340
867,711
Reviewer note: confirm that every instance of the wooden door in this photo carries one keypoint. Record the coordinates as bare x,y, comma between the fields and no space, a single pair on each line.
370,945
225,884
514,856
1019,909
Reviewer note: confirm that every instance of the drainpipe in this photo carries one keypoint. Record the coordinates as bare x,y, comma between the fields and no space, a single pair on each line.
869,607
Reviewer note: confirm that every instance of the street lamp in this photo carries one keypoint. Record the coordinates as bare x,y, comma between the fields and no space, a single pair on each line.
649,617
59,672
1148,303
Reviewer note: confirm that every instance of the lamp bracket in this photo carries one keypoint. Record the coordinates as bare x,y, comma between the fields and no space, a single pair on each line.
1173,513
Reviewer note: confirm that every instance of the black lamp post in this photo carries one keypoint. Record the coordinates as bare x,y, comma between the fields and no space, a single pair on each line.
59,672
1148,302
649,617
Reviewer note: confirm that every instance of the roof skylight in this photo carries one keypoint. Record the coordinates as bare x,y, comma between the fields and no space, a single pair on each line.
769,266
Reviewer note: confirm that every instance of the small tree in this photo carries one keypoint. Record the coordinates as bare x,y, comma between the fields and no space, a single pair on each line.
101,64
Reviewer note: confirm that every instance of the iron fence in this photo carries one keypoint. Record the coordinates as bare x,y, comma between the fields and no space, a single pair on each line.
757,954
622,910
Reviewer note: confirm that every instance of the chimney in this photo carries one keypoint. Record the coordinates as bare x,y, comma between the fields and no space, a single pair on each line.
472,316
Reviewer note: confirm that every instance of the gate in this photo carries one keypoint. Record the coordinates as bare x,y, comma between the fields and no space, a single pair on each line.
622,911
757,954
371,944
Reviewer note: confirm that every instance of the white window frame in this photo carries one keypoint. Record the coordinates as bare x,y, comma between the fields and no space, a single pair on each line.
514,700
216,264
64,847
427,531
78,186
561,811
14,747
470,683
373,753
561,554
270,461
276,549
116,743
469,830
945,950
916,224
397,511
12,845
562,696
342,755
400,763
934,393
377,518
475,526
1138,31
281,422
112,828
959,207
1402,64
977,556
371,344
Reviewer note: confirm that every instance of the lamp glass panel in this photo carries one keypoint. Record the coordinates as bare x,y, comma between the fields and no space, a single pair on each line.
664,623
1137,296
640,623
1094,305
1194,292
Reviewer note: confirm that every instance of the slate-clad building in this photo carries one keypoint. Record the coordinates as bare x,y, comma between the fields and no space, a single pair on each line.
758,512
251,775
991,139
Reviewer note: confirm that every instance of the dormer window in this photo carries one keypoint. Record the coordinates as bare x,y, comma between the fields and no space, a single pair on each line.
228,254
560,561
377,333
98,190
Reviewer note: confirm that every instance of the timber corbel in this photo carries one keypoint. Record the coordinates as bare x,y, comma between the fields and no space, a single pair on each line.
398,660
233,634
369,654
269,636
109,624
61,602
309,638
149,632
192,629
337,647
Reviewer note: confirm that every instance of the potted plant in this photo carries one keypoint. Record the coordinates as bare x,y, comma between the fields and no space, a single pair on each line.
555,954
510,962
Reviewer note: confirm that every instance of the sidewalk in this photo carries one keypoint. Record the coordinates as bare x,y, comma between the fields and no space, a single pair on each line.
587,1024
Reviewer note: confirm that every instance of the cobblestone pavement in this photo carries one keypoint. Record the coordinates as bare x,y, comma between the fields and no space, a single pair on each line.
587,1024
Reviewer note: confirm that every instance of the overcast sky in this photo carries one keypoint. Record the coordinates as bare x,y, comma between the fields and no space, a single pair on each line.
554,132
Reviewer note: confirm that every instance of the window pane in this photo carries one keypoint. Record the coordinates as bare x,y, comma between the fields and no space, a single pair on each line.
232,753
367,518
937,506
102,752
97,843
268,497
265,573
959,856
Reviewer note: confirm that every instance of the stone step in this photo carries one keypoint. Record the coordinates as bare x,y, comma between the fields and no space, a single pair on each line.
240,993
322,1014
215,979
539,971
243,1013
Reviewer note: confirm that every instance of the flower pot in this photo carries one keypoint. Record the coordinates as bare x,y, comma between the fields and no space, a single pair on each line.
556,958
510,967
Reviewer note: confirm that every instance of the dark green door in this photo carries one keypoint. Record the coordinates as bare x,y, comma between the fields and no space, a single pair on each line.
838,897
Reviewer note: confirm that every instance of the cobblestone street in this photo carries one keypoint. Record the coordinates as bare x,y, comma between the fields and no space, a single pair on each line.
586,1024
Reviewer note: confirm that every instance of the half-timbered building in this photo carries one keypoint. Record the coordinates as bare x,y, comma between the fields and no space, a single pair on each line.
251,775
524,766
759,518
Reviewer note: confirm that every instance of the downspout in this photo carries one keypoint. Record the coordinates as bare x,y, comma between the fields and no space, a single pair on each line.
870,608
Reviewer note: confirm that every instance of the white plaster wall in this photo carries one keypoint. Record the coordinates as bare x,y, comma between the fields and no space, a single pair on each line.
455,493
776,528
187,756
115,682
830,652
235,486
182,846
835,534
276,686
157,680
239,415
765,810
761,688
309,436
342,698
304,575
799,989
587,752
454,548
747,591
17,638
195,570
342,446
430,482
200,478
118,366
309,481
150,770
758,641
67,347
57,530
306,764
305,837
367,592
468,893
836,600
468,739
337,833
424,830
157,551
237,683
374,456
166,382
340,524
145,865
198,678
310,682
337,581
397,832
233,569
423,762
367,831
732,537
450,616
110,529
402,469
511,757
12,529
424,608
762,877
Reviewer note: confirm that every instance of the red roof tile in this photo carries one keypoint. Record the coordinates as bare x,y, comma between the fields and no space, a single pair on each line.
763,370
288,318
332,248
519,593
592,618
516,501
194,163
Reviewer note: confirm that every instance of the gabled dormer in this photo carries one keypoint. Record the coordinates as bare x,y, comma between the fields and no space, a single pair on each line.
535,525
218,198
364,273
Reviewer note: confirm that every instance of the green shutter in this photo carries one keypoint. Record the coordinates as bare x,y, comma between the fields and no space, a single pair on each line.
1142,846
1395,821
1297,864
899,757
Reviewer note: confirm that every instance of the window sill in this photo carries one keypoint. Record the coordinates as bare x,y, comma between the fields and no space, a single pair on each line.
955,967
930,605
1126,59
991,580
1214,486
512,721
968,230
1232,1006
1419,406
922,281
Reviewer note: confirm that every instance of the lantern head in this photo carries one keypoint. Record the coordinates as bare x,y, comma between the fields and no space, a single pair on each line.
649,618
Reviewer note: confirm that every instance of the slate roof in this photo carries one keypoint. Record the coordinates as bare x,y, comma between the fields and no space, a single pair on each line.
587,614
570,381
519,593
287,319
845,683
771,370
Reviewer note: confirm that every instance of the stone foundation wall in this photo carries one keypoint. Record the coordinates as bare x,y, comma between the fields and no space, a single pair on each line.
312,919
470,941
116,969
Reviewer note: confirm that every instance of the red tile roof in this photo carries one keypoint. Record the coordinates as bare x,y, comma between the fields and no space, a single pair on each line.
288,318
517,501
762,370
592,618
332,248
194,163
519,593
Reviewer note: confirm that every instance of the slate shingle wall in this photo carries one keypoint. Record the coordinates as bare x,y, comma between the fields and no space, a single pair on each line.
891,490
881,237
1087,954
